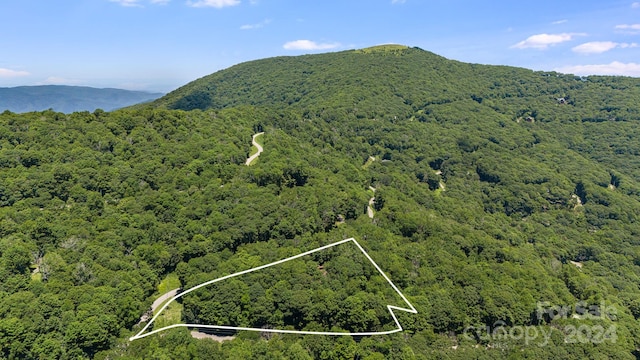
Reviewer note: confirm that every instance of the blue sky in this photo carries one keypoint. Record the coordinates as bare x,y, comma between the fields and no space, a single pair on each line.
159,45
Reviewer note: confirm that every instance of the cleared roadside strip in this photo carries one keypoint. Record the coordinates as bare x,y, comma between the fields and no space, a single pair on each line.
391,308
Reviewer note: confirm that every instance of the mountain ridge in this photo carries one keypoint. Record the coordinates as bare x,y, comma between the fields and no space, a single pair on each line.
405,79
506,203
68,98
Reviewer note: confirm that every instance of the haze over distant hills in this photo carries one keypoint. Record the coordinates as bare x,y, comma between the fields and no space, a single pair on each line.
67,99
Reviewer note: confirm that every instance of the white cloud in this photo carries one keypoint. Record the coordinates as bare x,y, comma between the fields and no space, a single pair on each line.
213,3
543,41
57,80
308,45
398,1
614,68
560,22
8,73
635,5
259,25
629,28
128,3
598,47
133,86
137,3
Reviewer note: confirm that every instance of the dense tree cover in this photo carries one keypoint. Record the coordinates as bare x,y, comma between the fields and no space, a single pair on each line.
337,289
492,197
391,82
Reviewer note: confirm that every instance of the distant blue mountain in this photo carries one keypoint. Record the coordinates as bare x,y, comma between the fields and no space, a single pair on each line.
69,99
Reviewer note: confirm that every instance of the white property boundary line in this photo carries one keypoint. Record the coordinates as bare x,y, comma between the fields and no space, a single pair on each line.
391,308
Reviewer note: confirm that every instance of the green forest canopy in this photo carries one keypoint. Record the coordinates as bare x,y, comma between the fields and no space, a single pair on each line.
541,206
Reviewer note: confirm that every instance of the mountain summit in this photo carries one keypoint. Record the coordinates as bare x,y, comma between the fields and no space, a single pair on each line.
403,81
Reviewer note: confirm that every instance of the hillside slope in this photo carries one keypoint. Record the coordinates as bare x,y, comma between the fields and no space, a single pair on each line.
498,211
401,81
68,99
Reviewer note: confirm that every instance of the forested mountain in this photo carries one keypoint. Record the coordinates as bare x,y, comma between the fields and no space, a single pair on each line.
398,81
68,99
506,209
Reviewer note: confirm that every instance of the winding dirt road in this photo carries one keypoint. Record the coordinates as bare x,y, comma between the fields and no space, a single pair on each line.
200,335
371,201
159,301
195,334
254,143
156,304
